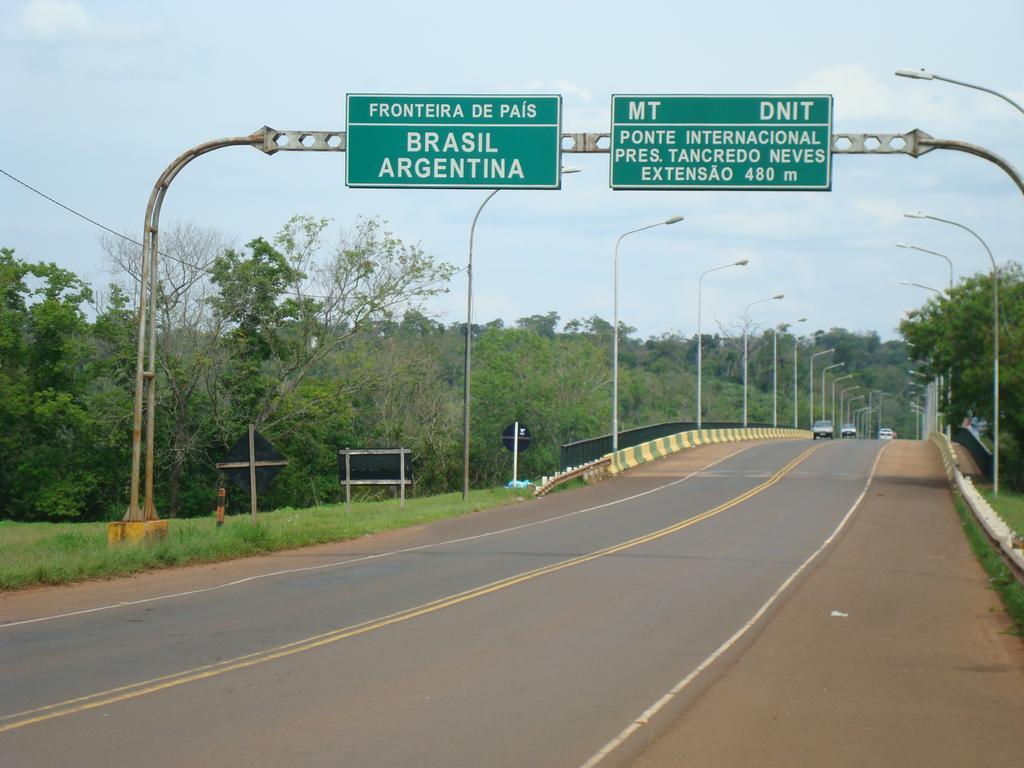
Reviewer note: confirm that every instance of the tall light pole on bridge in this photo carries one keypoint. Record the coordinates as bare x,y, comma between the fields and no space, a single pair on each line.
850,402
995,337
923,286
871,394
467,362
746,327
949,261
923,74
796,349
700,337
775,370
825,370
842,401
832,410
810,386
615,325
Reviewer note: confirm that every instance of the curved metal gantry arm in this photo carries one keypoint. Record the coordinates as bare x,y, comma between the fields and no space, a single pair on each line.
268,141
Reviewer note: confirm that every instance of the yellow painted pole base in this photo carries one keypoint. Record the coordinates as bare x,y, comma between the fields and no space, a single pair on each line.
134,532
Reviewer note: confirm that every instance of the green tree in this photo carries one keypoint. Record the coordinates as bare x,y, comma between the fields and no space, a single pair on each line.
954,334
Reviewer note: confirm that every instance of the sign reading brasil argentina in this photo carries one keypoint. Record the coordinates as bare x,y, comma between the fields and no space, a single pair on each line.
721,142
491,142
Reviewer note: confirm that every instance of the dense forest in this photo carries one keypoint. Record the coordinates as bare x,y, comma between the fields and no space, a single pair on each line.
323,344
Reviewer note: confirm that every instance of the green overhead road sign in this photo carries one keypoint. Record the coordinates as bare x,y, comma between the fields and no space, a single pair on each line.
490,142
721,142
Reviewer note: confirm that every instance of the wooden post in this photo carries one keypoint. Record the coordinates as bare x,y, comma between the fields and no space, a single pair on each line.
252,471
348,480
222,493
401,477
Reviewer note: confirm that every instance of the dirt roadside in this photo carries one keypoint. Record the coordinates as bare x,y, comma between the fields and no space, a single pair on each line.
917,670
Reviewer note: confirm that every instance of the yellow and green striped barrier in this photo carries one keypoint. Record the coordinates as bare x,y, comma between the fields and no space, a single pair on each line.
626,458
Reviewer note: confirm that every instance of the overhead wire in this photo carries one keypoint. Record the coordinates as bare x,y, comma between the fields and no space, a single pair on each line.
105,228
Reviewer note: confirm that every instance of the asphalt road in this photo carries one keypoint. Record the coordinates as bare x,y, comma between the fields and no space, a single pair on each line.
526,636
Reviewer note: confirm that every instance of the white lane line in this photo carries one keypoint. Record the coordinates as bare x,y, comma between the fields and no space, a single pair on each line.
653,710
364,558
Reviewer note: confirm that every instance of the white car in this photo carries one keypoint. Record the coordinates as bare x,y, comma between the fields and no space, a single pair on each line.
885,433
822,429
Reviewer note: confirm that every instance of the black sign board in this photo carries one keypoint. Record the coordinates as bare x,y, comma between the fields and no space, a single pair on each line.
373,468
252,461
269,462
508,437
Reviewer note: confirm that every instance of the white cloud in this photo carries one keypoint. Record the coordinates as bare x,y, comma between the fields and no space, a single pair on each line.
58,21
887,213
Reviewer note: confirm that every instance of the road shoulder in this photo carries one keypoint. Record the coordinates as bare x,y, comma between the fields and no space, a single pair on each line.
893,651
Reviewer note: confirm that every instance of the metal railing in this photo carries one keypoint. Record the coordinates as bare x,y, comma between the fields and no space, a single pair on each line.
582,451
981,455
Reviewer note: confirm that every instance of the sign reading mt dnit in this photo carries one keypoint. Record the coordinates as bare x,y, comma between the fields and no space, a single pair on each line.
491,142
721,142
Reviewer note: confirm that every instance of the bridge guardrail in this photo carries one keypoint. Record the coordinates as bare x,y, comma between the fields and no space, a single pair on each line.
581,452
990,520
625,458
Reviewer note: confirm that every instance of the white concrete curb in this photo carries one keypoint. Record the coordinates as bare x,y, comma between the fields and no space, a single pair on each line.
988,517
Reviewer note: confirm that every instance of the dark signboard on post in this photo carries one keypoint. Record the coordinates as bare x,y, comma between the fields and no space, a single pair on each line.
514,442
375,466
252,464
372,468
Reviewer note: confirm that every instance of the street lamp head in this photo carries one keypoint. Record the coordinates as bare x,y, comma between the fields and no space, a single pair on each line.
916,215
801,320
673,219
905,282
779,296
740,263
571,169
904,245
916,74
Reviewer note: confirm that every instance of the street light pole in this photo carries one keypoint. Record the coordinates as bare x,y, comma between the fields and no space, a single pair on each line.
810,387
921,74
850,402
700,338
468,350
842,401
775,371
867,426
921,285
933,253
615,328
858,417
995,338
746,325
825,370
832,410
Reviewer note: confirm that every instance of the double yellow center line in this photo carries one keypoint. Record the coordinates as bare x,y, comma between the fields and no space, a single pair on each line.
135,690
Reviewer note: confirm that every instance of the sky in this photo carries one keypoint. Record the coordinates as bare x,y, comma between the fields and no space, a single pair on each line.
97,97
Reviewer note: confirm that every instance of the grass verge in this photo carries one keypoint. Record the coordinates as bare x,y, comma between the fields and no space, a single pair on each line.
1002,580
58,553
1010,507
